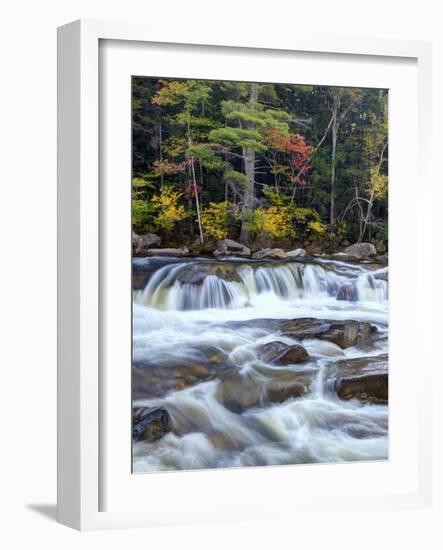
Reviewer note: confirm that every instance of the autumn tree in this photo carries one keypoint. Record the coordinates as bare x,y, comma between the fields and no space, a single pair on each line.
246,120
192,95
289,159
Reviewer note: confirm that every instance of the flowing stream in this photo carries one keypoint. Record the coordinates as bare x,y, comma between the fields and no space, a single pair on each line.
198,330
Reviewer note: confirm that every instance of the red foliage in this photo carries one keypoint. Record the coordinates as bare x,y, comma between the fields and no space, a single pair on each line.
298,150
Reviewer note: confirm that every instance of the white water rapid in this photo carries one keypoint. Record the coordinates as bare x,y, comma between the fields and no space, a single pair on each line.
199,325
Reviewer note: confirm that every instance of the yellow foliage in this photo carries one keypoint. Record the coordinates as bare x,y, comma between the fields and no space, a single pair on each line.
215,219
171,92
378,183
274,222
169,210
317,227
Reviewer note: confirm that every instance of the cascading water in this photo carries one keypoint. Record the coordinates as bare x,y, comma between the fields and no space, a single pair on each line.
289,281
199,327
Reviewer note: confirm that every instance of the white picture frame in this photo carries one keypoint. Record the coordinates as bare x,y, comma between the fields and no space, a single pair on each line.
81,470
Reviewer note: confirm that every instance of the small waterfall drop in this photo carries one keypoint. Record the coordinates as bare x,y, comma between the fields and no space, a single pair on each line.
372,289
239,284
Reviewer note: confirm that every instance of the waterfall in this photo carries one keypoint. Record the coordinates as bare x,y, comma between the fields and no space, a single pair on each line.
242,283
372,289
214,293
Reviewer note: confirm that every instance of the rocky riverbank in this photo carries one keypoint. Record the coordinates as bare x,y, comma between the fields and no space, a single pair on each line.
149,245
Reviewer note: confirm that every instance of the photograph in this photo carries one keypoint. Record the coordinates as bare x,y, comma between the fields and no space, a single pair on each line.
259,274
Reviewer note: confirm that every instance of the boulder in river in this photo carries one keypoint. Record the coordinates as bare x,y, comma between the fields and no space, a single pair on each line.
362,378
361,250
278,393
136,243
183,251
277,253
382,275
280,353
228,247
297,253
343,333
157,379
150,424
195,274
241,391
348,292
142,243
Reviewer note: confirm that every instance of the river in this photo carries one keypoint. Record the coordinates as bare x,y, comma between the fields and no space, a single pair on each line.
199,330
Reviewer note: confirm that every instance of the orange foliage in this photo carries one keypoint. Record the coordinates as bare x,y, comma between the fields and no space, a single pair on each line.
296,147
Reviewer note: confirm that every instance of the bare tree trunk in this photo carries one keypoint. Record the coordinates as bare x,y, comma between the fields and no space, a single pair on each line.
334,130
160,147
367,218
249,164
197,202
194,181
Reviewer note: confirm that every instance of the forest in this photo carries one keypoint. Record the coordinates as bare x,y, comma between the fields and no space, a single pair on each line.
263,164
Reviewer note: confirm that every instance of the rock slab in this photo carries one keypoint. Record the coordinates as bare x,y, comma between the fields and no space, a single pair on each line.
297,253
150,424
195,274
276,253
362,378
343,333
142,243
361,250
239,392
184,251
280,353
228,247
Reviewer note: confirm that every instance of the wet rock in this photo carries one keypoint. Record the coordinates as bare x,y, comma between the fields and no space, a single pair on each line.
348,292
297,253
343,333
281,393
228,247
372,388
150,424
382,275
184,251
222,441
270,253
157,380
363,378
238,392
142,243
323,348
241,391
195,274
282,354
361,250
